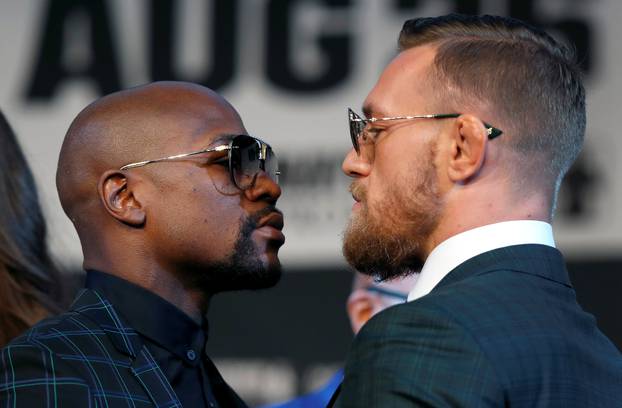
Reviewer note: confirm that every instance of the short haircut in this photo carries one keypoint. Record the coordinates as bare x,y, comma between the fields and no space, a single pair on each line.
526,79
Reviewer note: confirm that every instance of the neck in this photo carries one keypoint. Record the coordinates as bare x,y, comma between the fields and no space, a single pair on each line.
192,302
467,210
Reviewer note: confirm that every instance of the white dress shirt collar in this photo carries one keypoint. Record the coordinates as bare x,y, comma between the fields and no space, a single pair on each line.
466,245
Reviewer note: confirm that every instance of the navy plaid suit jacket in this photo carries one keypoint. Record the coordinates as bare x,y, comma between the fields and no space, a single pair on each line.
502,329
86,357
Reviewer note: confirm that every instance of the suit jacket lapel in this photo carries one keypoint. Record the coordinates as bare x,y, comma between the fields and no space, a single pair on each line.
99,310
153,380
539,260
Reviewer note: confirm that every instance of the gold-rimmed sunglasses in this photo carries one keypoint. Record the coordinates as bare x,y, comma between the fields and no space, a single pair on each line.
358,125
247,157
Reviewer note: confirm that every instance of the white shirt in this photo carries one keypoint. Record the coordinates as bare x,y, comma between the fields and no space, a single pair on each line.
466,245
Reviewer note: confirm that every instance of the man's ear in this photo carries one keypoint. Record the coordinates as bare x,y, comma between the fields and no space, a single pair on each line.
469,141
360,309
119,199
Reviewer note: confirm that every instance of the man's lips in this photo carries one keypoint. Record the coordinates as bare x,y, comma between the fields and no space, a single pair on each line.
274,219
357,202
358,193
271,226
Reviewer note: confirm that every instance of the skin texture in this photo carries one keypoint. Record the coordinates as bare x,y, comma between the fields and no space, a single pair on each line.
424,181
180,229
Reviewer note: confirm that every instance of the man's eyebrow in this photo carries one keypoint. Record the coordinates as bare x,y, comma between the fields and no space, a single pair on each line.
222,138
371,111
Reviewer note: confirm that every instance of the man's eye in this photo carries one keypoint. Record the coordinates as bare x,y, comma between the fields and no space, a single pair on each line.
371,133
208,160
222,160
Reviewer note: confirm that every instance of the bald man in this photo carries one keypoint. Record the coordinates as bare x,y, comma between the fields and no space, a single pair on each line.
173,202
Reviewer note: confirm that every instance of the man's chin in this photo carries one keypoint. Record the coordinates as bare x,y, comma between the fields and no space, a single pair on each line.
262,278
384,270
268,274
380,257
269,279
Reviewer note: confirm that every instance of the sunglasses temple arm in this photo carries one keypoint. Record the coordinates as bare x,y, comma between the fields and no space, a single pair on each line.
493,132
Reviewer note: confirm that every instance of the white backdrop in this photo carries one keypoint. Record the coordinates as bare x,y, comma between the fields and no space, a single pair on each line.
307,129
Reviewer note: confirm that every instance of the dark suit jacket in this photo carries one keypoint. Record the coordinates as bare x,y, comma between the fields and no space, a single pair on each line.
86,357
502,329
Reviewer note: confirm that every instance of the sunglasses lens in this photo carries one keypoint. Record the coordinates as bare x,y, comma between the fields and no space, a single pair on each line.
271,165
246,163
355,128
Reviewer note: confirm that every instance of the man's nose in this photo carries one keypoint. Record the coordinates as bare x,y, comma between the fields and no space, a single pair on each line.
356,165
264,188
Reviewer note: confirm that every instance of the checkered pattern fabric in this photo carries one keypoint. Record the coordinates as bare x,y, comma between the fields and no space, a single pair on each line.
86,357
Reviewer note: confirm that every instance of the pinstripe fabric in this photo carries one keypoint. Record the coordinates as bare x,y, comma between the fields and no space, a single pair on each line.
86,357
502,329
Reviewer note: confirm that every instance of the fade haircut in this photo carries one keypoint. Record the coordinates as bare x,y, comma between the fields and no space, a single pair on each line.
526,80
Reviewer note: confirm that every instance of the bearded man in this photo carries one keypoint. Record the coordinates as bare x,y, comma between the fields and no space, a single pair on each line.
457,162
173,202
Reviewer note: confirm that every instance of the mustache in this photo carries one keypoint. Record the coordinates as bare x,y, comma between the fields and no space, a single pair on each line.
358,191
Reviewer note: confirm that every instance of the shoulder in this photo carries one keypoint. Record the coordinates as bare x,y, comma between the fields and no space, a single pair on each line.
415,326
34,370
421,351
50,338
49,332
421,328
88,328
476,322
453,307
439,342
494,332
58,343
500,307
64,360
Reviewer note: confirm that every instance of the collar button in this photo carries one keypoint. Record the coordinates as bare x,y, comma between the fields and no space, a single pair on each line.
191,355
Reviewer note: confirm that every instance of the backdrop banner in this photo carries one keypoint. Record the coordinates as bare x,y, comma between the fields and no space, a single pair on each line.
291,68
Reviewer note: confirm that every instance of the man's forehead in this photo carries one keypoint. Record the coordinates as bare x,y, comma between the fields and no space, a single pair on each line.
197,113
402,83
215,126
217,132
